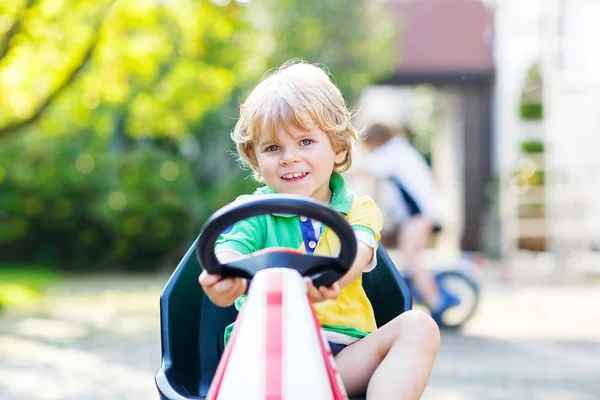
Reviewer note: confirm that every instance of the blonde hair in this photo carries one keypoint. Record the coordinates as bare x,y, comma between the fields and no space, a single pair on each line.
295,91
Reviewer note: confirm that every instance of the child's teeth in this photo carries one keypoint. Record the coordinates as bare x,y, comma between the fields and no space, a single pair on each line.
294,175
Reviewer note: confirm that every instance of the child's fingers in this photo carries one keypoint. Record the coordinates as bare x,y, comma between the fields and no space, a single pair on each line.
331,292
207,279
310,286
223,285
312,292
238,287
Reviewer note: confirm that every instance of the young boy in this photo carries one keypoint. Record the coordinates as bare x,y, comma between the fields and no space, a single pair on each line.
417,209
296,135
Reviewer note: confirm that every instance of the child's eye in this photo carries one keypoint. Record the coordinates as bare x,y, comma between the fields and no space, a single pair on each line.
306,142
273,147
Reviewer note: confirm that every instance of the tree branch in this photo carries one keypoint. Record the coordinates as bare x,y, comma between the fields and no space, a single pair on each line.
14,126
8,129
5,41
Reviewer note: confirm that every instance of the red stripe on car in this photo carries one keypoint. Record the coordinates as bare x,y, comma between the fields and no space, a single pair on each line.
274,338
339,393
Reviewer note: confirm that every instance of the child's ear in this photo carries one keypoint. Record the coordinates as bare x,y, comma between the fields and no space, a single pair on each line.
340,157
251,153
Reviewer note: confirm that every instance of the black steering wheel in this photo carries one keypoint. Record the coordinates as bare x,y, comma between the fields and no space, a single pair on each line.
323,270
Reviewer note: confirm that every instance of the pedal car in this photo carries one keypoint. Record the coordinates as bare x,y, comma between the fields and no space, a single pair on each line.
276,349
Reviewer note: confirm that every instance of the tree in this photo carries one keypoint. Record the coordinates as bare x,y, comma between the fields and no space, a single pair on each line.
105,105
148,67
30,29
353,38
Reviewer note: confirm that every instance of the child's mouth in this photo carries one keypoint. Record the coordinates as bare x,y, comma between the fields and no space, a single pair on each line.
296,176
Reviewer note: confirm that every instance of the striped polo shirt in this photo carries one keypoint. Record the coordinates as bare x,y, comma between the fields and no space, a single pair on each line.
350,316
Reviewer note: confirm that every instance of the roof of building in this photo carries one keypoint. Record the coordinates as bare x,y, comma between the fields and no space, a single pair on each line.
442,40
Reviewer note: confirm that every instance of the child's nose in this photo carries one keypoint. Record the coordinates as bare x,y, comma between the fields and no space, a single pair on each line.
289,156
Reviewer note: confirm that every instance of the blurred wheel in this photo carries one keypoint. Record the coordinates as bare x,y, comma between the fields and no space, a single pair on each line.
463,287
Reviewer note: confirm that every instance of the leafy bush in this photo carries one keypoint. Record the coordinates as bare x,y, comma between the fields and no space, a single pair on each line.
47,197
151,208
76,204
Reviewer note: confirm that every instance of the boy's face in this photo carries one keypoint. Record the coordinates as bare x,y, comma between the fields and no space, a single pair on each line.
298,162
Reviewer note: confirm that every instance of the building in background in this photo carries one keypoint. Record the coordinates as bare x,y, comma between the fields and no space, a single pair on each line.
507,93
443,87
549,167
517,54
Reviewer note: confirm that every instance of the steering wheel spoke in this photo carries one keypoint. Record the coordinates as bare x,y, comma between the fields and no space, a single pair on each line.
306,265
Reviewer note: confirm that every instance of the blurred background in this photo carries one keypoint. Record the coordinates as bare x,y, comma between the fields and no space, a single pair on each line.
114,149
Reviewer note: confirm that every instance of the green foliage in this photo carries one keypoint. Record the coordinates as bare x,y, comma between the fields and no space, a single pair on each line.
353,38
148,210
532,146
79,209
531,178
37,277
531,104
21,285
539,178
165,65
531,111
115,114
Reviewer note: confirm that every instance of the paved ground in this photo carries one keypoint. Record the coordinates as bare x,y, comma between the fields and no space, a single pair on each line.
527,342
99,340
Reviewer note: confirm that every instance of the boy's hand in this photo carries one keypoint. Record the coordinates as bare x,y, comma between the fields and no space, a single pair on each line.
317,295
222,292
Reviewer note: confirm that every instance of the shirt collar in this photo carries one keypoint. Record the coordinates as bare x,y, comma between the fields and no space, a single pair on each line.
341,197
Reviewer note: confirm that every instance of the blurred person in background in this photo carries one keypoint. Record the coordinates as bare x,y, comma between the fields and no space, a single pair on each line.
415,205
